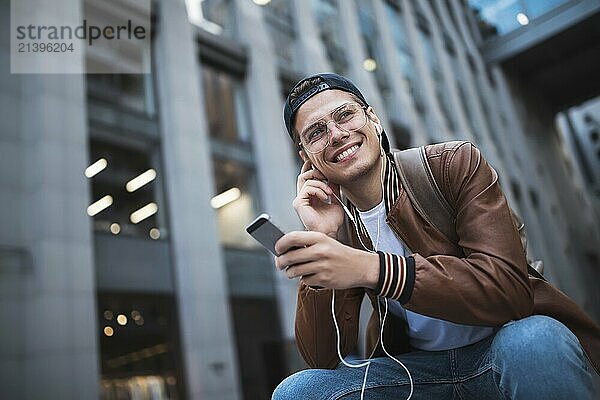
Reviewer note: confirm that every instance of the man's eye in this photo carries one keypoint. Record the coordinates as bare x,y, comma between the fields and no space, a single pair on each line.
315,134
345,116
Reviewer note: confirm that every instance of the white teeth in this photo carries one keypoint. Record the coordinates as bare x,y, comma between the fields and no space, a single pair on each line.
346,153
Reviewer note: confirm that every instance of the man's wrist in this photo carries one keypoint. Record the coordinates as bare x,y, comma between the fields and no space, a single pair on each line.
371,275
335,234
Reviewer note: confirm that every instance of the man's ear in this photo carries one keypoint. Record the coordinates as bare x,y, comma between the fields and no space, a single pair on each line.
303,155
373,116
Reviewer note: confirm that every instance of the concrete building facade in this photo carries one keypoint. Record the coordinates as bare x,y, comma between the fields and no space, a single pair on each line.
181,302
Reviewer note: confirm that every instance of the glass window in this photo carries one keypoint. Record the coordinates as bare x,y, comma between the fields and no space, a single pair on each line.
402,137
258,340
396,22
534,198
441,89
139,349
507,15
111,80
131,91
405,57
464,101
487,114
281,24
234,202
327,13
126,196
223,103
429,52
370,35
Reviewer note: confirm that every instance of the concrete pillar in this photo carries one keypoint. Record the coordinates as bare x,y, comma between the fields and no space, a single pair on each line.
276,168
48,340
206,334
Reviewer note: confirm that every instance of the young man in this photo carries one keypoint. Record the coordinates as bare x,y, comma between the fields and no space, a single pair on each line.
461,318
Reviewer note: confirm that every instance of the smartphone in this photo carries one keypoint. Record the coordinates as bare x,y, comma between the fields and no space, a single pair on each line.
263,230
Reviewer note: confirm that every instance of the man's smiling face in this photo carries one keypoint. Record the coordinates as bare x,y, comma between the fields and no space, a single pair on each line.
349,155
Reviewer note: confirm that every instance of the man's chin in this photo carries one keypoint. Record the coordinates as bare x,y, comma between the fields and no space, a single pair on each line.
351,176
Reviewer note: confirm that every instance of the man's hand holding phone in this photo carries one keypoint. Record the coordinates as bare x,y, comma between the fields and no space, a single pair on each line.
315,202
323,262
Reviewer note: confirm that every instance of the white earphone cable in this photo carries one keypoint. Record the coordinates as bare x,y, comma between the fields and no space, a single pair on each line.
367,363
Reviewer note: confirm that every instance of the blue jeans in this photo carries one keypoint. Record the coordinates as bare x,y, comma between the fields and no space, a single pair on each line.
532,358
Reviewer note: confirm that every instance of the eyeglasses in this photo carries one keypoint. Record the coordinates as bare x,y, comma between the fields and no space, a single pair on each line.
348,117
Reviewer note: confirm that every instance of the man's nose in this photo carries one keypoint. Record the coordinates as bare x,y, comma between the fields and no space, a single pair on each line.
336,133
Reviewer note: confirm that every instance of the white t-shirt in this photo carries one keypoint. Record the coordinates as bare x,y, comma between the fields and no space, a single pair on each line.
425,333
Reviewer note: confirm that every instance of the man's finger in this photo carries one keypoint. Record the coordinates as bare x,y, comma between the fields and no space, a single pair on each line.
319,184
308,175
298,239
296,256
307,166
296,271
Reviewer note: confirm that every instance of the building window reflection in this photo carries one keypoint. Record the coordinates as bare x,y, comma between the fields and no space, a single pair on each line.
440,87
466,105
327,11
494,132
236,206
139,349
282,29
224,107
370,34
405,56
133,92
126,196
501,17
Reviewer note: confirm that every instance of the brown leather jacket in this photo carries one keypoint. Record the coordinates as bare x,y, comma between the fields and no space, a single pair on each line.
481,279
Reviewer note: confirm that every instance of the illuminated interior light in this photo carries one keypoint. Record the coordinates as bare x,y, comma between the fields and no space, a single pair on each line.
261,2
108,331
96,167
370,64
100,205
155,233
115,228
522,19
140,180
121,319
225,198
143,213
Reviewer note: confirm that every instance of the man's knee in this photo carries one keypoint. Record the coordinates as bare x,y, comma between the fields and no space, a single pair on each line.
301,385
539,357
537,339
